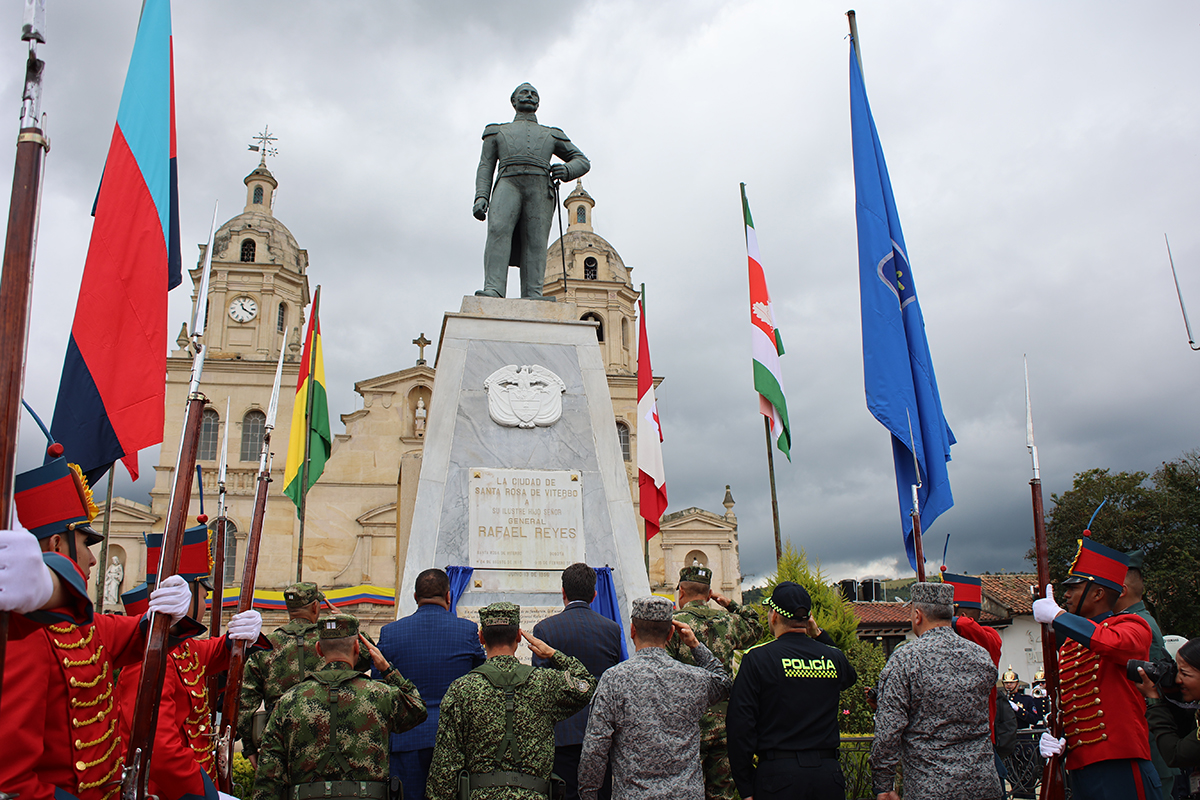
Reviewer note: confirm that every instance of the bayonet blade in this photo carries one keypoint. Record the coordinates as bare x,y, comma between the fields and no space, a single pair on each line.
224,462
273,409
1029,440
200,312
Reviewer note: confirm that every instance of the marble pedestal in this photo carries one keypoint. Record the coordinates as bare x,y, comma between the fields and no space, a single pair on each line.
467,453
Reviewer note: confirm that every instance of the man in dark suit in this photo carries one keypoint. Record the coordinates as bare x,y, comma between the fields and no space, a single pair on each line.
432,648
593,639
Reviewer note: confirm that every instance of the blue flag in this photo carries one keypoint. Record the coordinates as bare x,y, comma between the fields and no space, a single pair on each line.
898,370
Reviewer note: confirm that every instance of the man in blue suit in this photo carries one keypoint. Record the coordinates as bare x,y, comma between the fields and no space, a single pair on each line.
432,648
596,641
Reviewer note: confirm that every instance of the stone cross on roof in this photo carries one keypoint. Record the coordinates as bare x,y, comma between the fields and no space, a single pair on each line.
422,343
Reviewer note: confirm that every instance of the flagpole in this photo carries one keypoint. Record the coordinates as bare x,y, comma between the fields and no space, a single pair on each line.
774,497
308,407
854,37
645,538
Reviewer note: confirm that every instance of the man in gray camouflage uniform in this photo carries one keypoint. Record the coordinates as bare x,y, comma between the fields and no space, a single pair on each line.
646,713
496,730
933,710
723,630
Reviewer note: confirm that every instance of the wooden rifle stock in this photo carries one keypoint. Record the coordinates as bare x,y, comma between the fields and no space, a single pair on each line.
237,656
1053,780
135,781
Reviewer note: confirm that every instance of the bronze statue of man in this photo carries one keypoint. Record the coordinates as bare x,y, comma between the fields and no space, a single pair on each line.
522,200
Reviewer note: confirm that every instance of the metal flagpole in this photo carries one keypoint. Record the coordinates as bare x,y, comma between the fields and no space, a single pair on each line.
918,547
774,496
308,407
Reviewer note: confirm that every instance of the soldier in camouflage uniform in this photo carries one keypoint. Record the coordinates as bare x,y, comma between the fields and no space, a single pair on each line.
328,735
292,657
722,630
495,739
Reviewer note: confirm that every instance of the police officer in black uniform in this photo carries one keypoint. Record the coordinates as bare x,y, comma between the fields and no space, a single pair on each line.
784,706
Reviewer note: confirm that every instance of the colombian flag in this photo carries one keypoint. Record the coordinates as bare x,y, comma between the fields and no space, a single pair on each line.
314,429
110,397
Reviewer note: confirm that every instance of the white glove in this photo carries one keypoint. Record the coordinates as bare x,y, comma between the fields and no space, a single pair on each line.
172,597
246,625
25,582
1049,746
1045,609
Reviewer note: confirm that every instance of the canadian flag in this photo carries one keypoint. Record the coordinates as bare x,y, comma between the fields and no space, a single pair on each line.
652,478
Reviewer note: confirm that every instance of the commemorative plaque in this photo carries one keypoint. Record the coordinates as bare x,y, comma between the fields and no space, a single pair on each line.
524,519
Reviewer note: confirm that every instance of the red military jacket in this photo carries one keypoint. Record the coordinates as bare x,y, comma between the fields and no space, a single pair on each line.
1103,714
184,739
59,710
988,639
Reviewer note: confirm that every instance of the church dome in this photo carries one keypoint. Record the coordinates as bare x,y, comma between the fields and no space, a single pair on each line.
255,235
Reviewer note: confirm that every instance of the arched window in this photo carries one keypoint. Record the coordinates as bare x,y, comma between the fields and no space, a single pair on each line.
253,425
623,438
258,195
230,548
581,214
248,248
600,329
209,425
590,272
281,319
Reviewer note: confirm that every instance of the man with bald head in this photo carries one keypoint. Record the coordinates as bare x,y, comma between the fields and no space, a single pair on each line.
521,202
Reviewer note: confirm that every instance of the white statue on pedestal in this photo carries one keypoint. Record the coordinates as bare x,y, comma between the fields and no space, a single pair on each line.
112,583
419,417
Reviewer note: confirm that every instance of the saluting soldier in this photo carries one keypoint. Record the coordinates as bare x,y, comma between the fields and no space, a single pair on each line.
495,738
722,630
270,673
328,734
184,761
59,712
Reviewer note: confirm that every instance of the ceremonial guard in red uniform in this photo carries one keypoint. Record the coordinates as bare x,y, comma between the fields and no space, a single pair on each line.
1106,737
184,760
59,710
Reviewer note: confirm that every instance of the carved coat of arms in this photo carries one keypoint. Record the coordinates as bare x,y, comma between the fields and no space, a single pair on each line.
524,396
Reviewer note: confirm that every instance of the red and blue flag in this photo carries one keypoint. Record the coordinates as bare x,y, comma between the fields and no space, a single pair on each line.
110,397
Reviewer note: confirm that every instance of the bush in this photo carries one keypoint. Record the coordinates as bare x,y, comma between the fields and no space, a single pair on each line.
868,660
243,776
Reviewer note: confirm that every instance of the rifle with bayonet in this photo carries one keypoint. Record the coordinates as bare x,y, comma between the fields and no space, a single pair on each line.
218,576
136,776
16,284
1053,779
237,656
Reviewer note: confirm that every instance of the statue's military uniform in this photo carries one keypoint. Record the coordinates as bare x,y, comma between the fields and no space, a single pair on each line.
521,204
328,735
497,723
721,631
291,659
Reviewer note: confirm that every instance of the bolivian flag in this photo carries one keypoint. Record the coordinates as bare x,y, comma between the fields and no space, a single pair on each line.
311,429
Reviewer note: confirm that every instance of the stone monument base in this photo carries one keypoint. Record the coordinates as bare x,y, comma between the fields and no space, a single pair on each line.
522,472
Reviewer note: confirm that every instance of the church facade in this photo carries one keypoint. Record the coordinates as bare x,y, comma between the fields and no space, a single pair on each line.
359,514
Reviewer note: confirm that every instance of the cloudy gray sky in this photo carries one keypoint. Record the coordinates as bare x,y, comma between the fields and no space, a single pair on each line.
1038,153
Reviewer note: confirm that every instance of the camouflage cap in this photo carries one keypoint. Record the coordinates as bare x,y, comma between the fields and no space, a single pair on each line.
934,594
696,574
299,595
338,626
500,614
652,608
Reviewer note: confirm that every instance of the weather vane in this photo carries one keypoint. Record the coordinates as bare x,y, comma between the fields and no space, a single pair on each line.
265,146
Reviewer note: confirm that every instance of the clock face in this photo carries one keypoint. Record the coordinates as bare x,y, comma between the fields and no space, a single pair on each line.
243,309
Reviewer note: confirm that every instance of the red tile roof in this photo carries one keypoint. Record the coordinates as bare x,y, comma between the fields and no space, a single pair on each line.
885,613
1012,591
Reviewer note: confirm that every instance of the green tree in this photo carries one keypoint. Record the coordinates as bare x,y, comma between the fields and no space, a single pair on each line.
867,659
1160,513
831,610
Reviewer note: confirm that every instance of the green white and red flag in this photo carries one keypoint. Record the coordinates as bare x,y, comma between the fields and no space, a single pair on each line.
766,344
652,478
